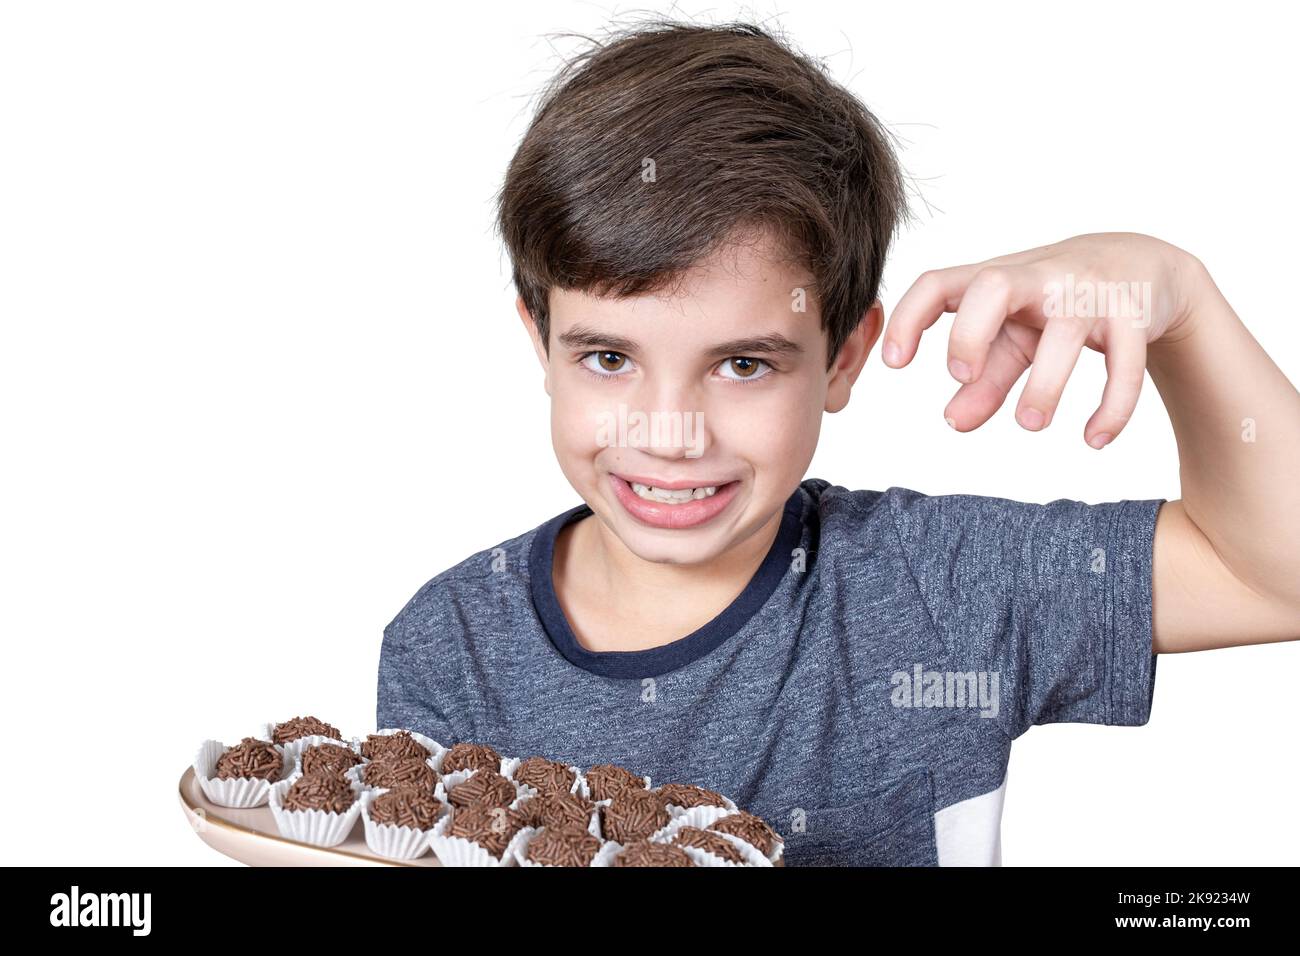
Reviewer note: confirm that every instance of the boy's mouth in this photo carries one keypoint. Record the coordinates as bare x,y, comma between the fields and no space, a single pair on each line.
673,496
672,504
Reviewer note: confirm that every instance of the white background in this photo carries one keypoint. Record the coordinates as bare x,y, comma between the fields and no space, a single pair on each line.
262,376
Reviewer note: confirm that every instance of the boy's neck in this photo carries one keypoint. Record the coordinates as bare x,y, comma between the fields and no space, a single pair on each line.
616,601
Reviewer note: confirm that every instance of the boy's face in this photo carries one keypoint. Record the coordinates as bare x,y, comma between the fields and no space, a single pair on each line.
711,394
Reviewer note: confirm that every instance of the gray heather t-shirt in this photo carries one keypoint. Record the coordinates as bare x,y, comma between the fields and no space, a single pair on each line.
861,694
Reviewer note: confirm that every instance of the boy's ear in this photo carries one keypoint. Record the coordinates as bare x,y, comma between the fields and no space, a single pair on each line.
531,326
848,364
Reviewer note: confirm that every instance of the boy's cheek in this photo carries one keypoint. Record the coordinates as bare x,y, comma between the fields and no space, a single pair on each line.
779,423
583,424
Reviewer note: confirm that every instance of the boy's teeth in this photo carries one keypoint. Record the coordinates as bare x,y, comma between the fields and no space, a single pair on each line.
676,497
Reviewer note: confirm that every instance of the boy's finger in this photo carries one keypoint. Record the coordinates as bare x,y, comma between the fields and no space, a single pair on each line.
1126,362
994,293
1058,349
930,296
975,403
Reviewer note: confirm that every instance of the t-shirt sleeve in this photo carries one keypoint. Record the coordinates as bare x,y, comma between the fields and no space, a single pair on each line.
415,671
1054,598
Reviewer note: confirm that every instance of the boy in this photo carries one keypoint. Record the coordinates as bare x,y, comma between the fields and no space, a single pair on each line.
698,220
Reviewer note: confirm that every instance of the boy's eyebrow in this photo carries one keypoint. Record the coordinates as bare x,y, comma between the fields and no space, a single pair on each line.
582,337
771,343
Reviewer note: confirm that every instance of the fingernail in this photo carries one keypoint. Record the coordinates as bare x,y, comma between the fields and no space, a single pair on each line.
893,354
960,370
1032,418
952,423
1100,440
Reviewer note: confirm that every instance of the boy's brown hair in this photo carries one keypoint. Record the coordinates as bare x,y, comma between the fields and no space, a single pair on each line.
736,131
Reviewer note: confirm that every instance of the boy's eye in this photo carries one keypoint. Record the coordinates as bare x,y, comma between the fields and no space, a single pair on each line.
606,363
743,368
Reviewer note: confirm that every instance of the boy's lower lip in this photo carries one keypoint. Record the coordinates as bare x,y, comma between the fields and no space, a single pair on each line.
690,514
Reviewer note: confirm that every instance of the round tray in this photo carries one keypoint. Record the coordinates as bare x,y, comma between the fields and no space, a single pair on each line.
250,836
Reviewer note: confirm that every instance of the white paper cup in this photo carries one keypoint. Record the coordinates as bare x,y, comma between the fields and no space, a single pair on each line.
458,851
394,842
296,746
505,767
435,749
447,783
239,792
298,751
709,819
357,775
317,827
729,806
750,853
579,787
519,847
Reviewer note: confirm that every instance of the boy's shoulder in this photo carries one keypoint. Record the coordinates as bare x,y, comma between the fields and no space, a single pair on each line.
478,586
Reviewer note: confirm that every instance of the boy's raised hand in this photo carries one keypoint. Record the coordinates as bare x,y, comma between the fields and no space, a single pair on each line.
1226,555
1112,292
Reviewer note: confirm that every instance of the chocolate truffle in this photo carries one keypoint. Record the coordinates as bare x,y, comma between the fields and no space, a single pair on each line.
709,843
607,779
407,807
750,829
400,744
250,758
319,791
486,787
633,815
467,756
645,853
545,776
393,772
562,846
303,727
492,828
334,758
689,795
557,810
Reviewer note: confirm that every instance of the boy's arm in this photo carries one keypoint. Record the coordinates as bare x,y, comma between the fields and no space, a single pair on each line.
1227,555
1226,563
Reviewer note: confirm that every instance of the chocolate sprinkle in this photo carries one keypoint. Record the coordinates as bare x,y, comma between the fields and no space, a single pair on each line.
557,810
407,807
250,758
607,779
393,772
645,853
485,787
688,795
303,727
319,791
562,846
633,815
466,756
332,758
545,776
400,744
709,843
492,828
749,828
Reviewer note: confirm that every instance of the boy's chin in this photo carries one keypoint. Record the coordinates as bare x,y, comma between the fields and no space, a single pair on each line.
685,547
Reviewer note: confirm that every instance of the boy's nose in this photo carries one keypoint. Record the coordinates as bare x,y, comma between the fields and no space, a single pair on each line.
675,424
